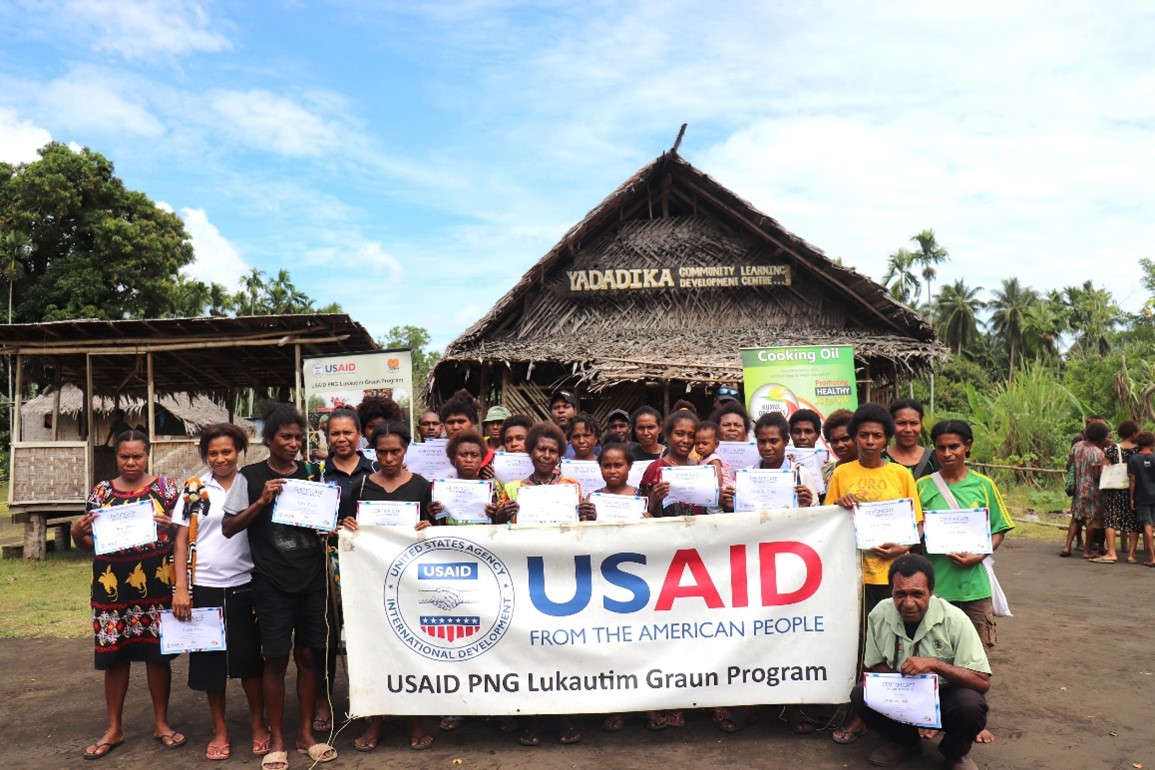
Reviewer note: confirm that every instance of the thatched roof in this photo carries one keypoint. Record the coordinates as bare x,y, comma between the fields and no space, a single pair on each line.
670,215
212,356
196,412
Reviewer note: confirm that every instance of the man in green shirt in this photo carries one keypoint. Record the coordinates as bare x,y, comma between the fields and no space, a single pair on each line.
919,633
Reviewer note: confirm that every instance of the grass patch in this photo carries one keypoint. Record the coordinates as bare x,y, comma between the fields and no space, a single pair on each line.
46,599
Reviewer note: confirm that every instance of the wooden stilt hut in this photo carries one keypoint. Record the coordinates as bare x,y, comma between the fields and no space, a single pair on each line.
146,365
650,298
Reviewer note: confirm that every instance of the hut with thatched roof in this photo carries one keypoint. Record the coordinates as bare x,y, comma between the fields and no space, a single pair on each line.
650,298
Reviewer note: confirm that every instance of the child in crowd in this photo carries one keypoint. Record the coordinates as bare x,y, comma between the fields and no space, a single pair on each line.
1141,469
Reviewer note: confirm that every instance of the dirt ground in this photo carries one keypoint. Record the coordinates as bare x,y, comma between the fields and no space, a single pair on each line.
1073,688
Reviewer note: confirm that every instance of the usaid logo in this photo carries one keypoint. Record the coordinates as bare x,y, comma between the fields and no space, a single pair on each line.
317,370
448,598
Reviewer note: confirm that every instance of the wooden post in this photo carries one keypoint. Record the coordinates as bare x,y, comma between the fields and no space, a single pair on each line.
897,395
151,408
666,398
36,536
298,377
867,382
483,395
56,413
89,461
14,423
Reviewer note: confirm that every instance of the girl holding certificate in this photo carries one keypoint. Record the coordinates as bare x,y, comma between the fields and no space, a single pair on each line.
772,432
131,585
647,425
220,571
680,430
392,482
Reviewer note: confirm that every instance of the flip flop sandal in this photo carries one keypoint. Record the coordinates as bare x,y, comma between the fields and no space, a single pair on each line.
319,752
1065,554
529,738
275,760
846,737
569,737
803,726
613,724
169,740
218,752
735,723
322,725
366,745
98,754
675,718
449,724
261,748
654,724
421,742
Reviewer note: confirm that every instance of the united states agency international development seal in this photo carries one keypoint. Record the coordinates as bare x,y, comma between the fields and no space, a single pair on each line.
448,598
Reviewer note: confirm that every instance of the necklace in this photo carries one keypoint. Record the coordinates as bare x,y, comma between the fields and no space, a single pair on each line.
273,468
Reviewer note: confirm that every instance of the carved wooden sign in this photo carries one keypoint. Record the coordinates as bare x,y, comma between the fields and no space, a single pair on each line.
710,277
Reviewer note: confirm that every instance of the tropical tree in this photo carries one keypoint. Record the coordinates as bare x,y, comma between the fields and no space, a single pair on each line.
1010,305
1044,322
417,339
957,308
900,279
252,289
1093,315
16,249
95,249
929,254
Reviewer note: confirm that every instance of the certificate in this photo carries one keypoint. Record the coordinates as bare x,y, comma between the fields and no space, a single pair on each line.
889,521
738,454
311,504
547,504
464,500
763,489
637,470
123,526
429,459
511,466
585,472
203,632
811,459
954,531
912,700
691,485
382,513
618,507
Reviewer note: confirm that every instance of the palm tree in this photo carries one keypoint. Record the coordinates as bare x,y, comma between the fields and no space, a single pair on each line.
1043,324
1010,306
252,287
957,308
900,279
1093,313
929,254
15,247
220,303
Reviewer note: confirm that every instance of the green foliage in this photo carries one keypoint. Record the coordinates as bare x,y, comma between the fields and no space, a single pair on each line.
952,381
415,338
1027,421
261,296
91,247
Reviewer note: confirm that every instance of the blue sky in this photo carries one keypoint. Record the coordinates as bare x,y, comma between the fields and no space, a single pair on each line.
412,160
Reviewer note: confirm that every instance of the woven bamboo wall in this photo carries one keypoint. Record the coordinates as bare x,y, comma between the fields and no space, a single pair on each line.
180,459
48,473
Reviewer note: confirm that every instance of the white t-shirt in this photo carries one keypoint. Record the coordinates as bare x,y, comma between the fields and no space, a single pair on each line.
222,562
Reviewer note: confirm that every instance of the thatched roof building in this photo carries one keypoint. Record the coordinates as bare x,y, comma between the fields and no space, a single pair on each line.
651,296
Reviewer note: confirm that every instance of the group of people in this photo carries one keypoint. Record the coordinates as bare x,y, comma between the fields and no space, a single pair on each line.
1112,489
231,554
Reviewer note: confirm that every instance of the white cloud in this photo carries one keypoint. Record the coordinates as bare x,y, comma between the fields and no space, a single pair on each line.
136,29
90,99
356,256
217,260
20,139
268,121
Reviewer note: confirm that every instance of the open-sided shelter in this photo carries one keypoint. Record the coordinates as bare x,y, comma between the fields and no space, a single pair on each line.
145,361
650,298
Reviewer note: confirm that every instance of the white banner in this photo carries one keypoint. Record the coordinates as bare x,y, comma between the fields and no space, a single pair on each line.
595,617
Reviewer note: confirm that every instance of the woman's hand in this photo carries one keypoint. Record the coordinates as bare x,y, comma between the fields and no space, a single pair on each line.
502,513
163,520
847,501
350,523
966,559
660,491
486,472
423,524
890,550
805,496
82,527
587,512
435,510
726,498
272,488
181,603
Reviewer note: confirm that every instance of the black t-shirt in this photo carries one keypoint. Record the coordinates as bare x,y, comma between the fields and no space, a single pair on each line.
348,482
290,558
640,455
911,628
1142,467
415,490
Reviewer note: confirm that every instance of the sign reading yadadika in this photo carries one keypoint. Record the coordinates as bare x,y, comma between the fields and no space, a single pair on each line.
686,277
